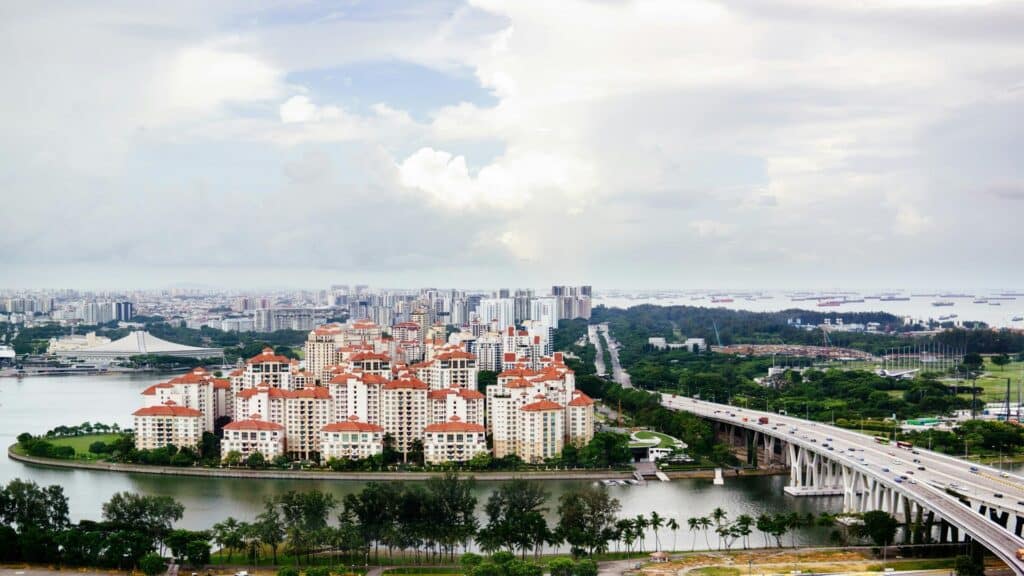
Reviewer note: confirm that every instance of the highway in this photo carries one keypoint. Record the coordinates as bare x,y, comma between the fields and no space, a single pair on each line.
922,475
618,374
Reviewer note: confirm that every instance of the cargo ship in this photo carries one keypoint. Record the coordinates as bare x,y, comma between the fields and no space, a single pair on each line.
943,303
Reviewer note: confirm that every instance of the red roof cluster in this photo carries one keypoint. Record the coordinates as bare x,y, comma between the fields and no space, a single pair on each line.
253,424
353,425
168,409
580,399
455,424
542,406
268,356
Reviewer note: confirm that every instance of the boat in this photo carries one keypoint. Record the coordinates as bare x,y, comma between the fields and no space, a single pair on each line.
995,303
829,303
1017,318
943,303
980,301
721,300
948,317
895,299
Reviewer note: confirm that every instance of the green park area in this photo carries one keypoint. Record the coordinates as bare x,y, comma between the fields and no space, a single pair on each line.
994,376
80,444
646,437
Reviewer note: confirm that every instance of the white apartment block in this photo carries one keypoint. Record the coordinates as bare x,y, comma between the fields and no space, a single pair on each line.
197,389
351,439
447,369
453,441
321,348
541,433
467,405
404,411
249,436
158,426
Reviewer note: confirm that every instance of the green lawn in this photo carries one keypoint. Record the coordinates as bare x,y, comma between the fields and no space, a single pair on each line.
994,380
665,441
715,571
81,443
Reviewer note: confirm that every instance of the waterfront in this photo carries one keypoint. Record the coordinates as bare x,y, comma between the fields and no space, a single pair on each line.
917,307
38,404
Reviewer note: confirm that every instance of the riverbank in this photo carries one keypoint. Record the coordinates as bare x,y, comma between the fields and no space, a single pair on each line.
354,476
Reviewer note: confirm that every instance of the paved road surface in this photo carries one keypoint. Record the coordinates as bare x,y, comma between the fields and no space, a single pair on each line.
618,374
921,474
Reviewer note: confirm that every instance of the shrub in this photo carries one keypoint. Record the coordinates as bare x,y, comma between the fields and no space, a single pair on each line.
287,571
152,564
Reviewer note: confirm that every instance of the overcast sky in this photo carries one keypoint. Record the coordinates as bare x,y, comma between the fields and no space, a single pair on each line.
682,143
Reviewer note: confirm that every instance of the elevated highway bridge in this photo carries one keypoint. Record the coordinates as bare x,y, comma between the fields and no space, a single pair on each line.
947,498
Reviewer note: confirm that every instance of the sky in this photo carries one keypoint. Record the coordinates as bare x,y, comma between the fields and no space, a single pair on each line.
647,144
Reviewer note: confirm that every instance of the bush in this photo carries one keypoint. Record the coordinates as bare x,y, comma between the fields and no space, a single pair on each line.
317,571
586,567
152,564
287,571
98,447
561,567
468,561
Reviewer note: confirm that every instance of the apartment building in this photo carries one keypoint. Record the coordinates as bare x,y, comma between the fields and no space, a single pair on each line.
351,439
253,435
453,441
167,423
404,411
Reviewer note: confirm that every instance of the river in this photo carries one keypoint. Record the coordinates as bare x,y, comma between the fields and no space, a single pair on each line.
40,403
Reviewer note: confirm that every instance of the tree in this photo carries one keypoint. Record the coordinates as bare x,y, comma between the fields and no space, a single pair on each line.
269,528
640,525
587,518
515,517
673,525
256,461
450,509
656,522
24,505
966,566
152,564
228,536
152,515
878,526
743,524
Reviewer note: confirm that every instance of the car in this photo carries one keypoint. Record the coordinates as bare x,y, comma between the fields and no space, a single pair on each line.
904,476
917,460
898,480
829,439
912,481
814,440
1004,475
851,449
910,471
1020,502
897,461
998,495
920,467
914,452
974,469
885,469
830,448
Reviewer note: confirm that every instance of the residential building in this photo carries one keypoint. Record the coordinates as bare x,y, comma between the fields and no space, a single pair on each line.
351,439
253,435
453,441
167,424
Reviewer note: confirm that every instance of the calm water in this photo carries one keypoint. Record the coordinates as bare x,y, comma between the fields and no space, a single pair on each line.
38,404
918,307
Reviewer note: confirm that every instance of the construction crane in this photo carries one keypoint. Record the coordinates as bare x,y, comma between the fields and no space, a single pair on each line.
717,336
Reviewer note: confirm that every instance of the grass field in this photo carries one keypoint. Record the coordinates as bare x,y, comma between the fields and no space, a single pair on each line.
81,443
993,382
666,441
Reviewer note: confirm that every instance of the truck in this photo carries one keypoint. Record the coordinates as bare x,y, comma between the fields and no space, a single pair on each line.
762,420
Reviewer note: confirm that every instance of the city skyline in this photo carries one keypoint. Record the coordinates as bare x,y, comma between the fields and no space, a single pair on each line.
635,145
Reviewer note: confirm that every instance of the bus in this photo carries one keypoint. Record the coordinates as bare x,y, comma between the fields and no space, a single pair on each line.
902,444
881,440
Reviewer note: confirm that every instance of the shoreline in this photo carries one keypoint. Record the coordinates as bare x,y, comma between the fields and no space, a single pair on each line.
351,476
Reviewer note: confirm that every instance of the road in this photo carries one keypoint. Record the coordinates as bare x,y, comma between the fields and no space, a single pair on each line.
595,339
922,475
618,374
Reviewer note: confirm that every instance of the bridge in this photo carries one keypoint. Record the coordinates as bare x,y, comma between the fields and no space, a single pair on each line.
947,499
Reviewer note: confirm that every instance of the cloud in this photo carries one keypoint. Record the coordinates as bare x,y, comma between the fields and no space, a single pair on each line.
711,228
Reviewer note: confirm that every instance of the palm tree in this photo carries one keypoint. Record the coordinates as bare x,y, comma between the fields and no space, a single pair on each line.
656,522
641,524
743,523
227,536
794,521
624,527
718,515
674,527
705,525
764,525
694,525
